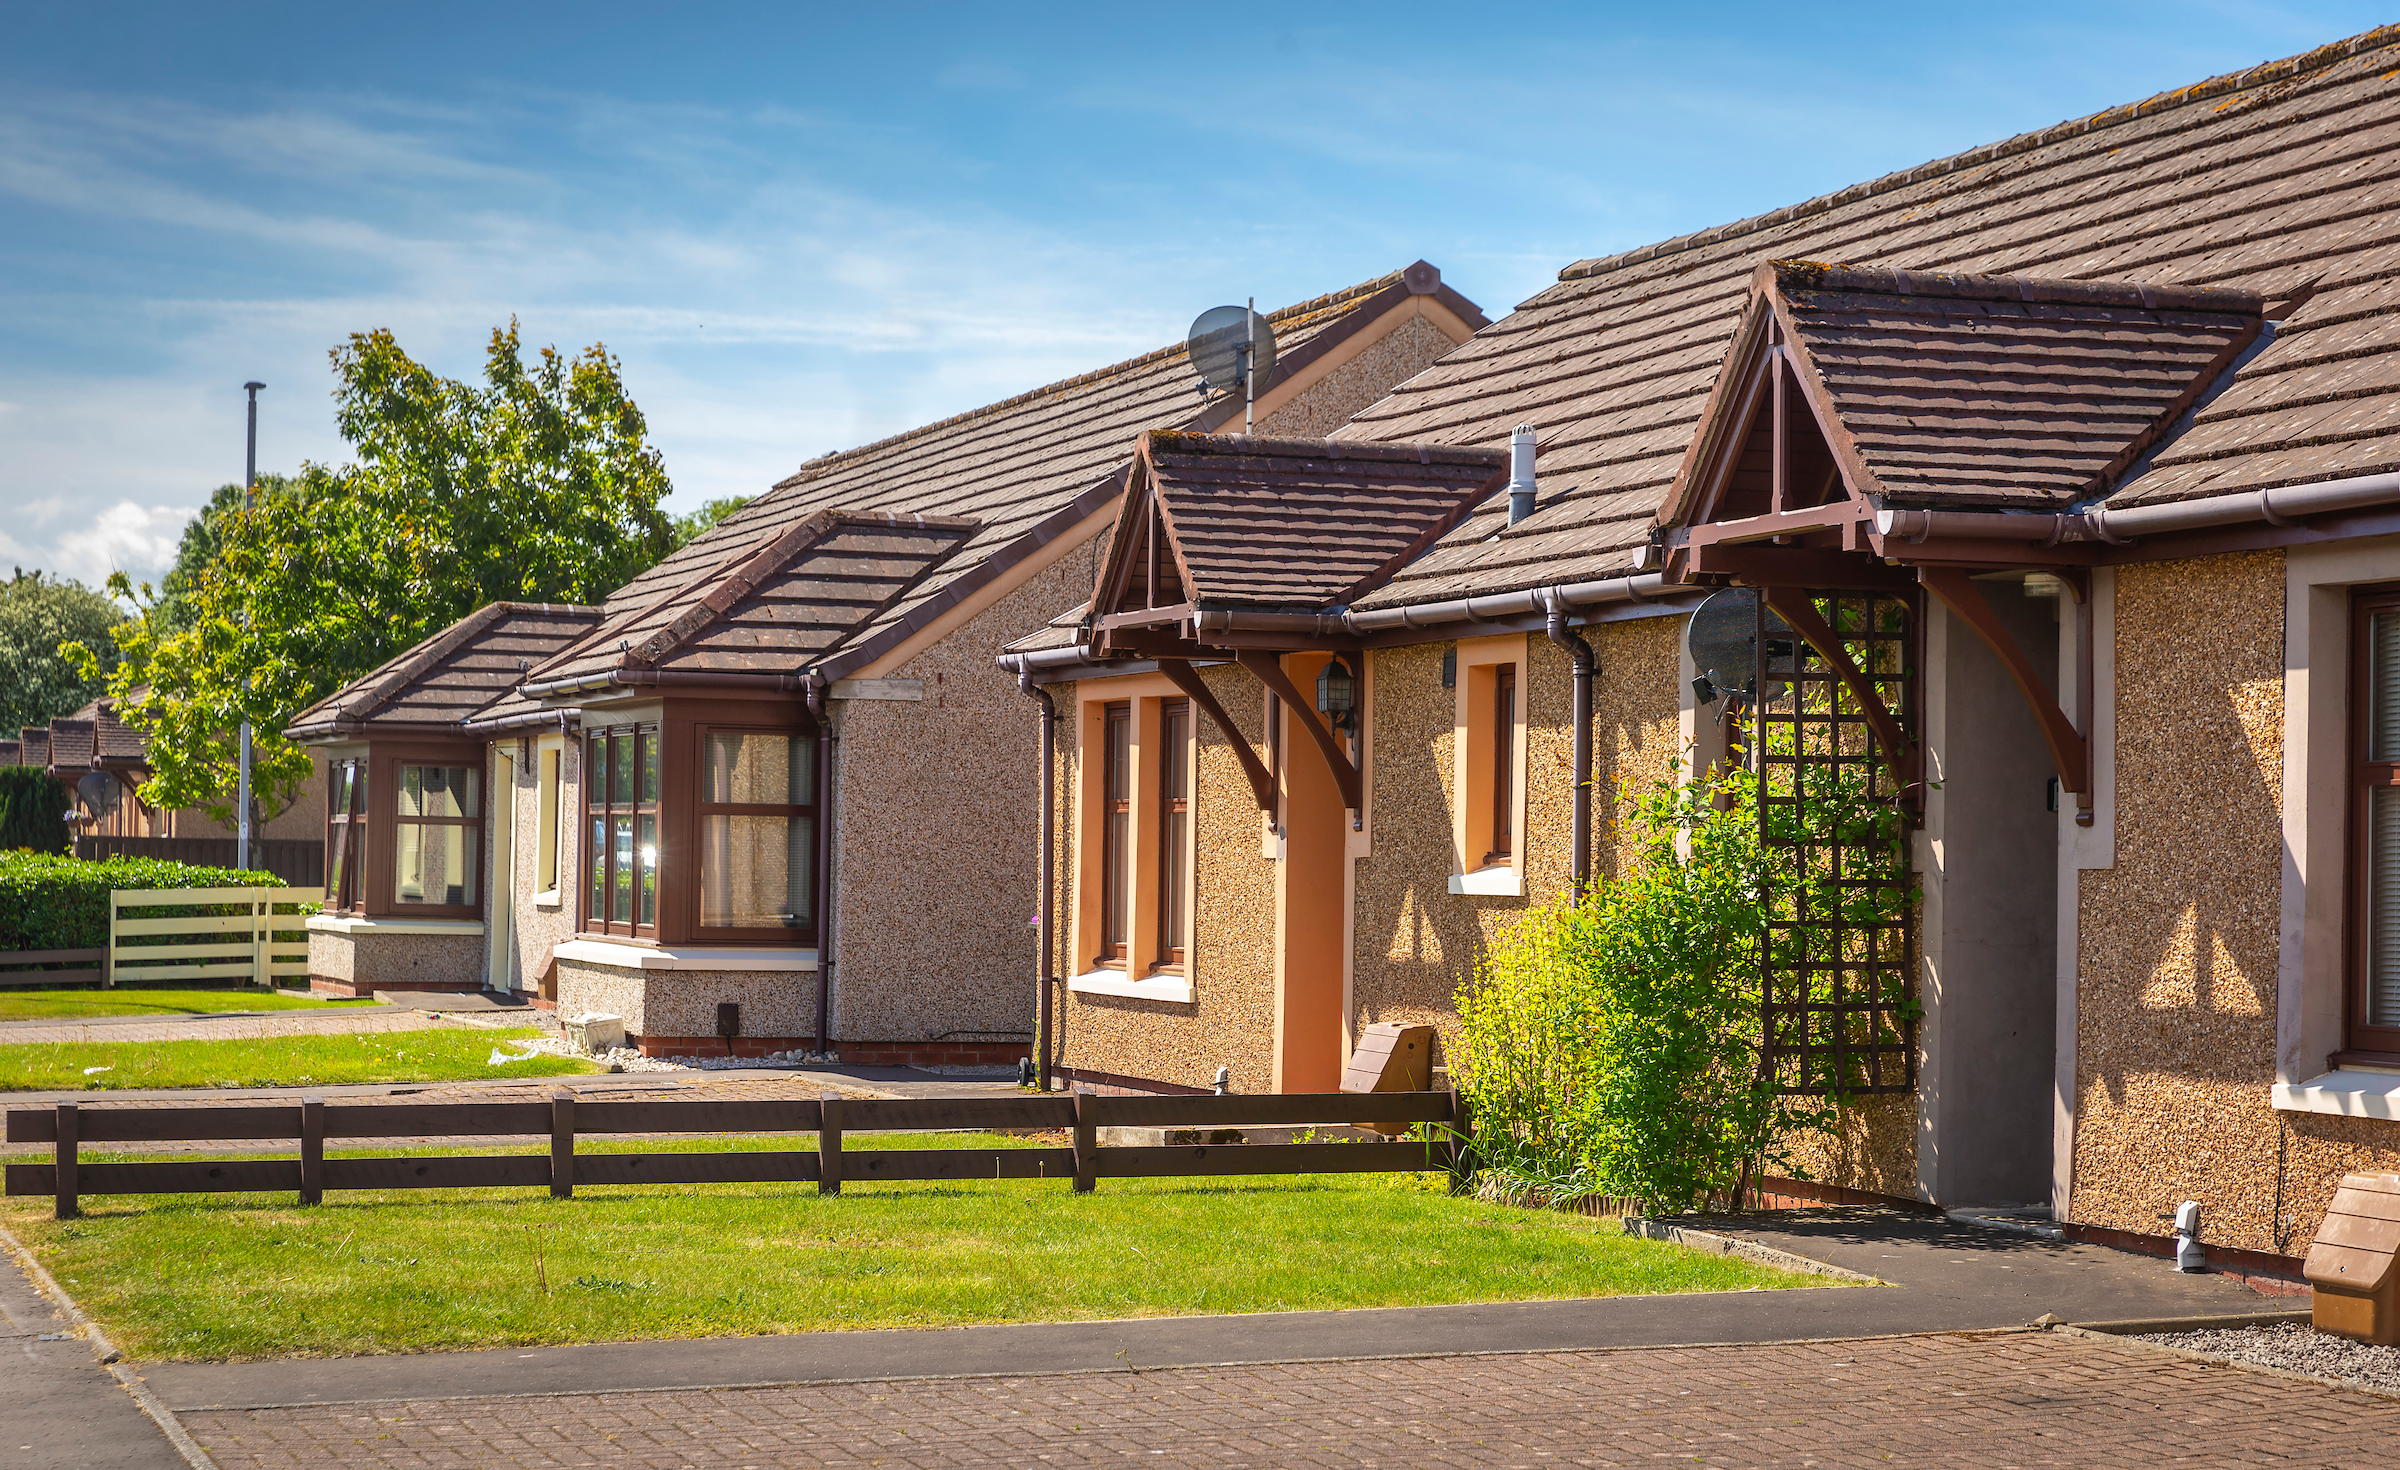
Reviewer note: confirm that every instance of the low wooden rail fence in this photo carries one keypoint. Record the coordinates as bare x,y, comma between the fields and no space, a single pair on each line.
68,1127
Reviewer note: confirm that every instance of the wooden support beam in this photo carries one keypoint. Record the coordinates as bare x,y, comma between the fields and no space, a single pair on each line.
1269,669
1796,608
2070,752
1187,679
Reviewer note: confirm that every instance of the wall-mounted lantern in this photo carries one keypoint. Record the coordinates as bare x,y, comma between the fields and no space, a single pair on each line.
1337,693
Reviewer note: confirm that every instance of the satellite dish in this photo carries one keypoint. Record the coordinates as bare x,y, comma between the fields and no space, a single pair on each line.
99,791
1723,636
1218,335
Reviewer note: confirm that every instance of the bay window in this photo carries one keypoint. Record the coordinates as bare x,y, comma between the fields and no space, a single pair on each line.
1116,860
345,834
621,782
437,833
2374,1011
757,831
1174,829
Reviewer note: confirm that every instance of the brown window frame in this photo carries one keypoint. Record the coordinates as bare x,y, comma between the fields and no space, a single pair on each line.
346,835
1116,831
597,802
474,832
2364,1040
703,809
1174,838
1504,766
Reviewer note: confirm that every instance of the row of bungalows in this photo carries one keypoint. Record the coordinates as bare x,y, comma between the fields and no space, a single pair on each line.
774,793
2062,481
102,764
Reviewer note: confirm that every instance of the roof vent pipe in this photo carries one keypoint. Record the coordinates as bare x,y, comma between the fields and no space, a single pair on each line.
1520,473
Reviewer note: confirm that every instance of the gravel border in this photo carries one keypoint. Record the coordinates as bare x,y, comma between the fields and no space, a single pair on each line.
2288,1349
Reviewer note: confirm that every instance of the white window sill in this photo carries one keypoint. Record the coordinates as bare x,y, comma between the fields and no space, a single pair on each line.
546,900
352,924
1175,989
2347,1093
1497,881
694,957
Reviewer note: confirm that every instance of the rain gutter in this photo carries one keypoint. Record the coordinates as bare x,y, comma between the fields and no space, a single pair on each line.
2281,506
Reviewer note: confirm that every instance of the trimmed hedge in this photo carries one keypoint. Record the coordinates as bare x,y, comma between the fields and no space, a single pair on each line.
49,902
33,810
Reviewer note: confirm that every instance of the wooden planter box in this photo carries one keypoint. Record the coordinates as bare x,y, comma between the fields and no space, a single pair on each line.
2351,1266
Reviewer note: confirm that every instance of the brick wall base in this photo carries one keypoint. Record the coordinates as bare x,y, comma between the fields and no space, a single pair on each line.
1799,1194
1109,1084
856,1053
2268,1275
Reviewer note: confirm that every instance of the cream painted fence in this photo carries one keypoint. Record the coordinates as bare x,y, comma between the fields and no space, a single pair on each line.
254,945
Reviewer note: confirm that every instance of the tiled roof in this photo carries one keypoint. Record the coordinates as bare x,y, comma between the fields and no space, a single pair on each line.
71,744
8,752
1023,470
450,676
33,746
771,608
116,740
1299,523
2280,180
1996,392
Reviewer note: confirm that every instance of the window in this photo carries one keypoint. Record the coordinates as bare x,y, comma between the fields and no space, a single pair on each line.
620,799
2375,808
345,834
1504,765
437,829
1116,862
758,830
545,858
1174,828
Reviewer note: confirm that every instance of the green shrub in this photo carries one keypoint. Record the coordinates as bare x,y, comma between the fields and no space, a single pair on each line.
33,810
1612,1047
54,902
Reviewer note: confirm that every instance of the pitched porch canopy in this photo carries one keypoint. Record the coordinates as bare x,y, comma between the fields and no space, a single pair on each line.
1228,546
1860,410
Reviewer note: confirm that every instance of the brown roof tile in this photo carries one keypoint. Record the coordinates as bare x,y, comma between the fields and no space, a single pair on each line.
1297,523
452,675
70,744
33,746
9,750
1023,470
2270,180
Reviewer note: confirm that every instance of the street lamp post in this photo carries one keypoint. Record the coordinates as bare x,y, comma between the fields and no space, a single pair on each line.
249,494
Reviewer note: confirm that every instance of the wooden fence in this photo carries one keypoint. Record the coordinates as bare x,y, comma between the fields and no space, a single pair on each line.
297,861
67,1127
255,946
31,967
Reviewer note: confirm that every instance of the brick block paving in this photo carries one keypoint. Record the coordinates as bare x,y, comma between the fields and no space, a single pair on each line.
1992,1401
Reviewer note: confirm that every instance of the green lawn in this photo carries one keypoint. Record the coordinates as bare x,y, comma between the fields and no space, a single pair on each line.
282,1061
42,1005
205,1277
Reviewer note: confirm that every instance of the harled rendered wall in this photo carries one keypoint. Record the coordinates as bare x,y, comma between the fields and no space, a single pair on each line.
1232,1021
939,804
1415,941
2175,1013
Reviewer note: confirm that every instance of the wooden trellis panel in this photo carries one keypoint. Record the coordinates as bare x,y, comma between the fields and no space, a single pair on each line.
1839,986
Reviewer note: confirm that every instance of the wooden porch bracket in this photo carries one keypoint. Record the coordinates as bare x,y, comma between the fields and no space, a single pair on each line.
1269,669
1187,679
1795,608
2070,752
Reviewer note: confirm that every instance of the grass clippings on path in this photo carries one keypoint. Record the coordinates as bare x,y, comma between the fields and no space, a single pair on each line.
434,1055
207,1277
45,1005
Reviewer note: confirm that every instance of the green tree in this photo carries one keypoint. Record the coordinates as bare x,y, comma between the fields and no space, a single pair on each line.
37,615
202,536
537,485
691,527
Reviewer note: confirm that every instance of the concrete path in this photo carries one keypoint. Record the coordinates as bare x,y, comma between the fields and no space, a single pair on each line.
1992,1402
1947,1278
255,1026
59,1409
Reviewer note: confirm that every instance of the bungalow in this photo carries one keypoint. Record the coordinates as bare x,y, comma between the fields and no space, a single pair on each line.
774,792
2061,483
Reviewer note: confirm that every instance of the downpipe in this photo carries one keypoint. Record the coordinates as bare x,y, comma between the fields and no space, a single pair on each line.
1579,654
1043,914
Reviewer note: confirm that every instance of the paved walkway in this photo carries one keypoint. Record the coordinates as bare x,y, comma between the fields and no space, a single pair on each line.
255,1026
59,1409
2027,1399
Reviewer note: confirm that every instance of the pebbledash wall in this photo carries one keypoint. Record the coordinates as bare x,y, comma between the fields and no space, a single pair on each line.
1231,1021
2182,943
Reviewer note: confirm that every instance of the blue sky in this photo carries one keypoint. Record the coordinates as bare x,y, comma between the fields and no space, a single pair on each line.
806,227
